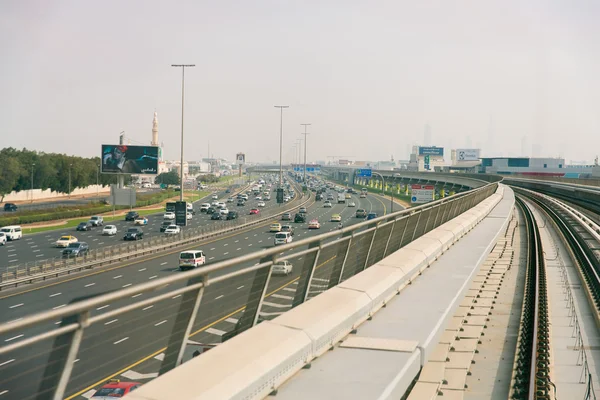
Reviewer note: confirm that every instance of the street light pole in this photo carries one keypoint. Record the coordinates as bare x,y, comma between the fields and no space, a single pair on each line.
32,165
97,181
281,144
383,191
305,133
183,67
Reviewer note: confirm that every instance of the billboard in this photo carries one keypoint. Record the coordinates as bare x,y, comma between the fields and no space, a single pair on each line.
181,213
467,154
431,151
126,159
421,194
240,158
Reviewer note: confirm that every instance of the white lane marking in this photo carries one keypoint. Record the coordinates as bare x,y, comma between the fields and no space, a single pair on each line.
101,243
211,258
94,240
110,322
217,298
260,241
15,260
102,307
140,270
121,340
225,253
35,251
7,362
40,255
320,279
268,303
174,297
57,322
90,284
126,285
281,296
250,245
160,323
232,320
268,314
236,241
212,248
147,308
76,360
238,249
136,376
226,244
33,247
160,357
240,287
17,305
13,338
246,237
287,289
57,307
136,295
12,255
165,263
3,392
216,331
295,283
15,320
152,277
12,250
117,277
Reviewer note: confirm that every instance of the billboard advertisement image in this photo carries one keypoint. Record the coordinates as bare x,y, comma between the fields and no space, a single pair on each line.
467,154
240,158
126,159
431,151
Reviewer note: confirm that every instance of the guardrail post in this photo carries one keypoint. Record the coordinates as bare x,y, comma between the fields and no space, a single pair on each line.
258,291
416,226
184,322
340,262
306,275
435,221
427,222
389,238
370,246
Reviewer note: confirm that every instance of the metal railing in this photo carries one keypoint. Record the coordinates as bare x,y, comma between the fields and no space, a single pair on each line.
85,330
151,244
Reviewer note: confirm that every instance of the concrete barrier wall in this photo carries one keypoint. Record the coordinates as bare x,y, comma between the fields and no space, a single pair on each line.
254,363
39,194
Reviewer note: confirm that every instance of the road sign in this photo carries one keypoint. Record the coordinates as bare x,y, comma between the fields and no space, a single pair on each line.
280,195
421,193
364,173
181,213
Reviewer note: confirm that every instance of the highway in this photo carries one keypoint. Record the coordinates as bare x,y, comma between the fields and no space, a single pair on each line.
112,348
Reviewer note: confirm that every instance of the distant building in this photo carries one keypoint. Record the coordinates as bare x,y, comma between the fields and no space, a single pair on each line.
421,154
534,166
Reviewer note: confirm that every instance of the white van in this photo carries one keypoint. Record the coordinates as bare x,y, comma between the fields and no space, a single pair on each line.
283,238
12,232
191,259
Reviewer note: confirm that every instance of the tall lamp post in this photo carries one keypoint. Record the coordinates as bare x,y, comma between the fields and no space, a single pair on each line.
281,144
97,180
383,191
183,67
32,165
305,133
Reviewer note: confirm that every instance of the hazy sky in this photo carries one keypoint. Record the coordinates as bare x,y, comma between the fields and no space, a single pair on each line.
368,75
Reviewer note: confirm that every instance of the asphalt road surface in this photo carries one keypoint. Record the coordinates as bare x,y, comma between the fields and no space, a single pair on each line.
131,346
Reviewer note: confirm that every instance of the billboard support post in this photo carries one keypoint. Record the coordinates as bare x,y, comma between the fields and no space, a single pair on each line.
183,66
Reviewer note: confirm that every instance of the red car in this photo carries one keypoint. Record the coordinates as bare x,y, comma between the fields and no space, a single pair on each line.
115,388
254,211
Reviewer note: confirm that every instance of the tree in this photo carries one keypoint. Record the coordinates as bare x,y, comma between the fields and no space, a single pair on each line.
168,178
9,174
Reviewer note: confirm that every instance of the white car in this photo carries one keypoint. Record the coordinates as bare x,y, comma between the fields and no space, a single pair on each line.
230,200
65,241
172,230
261,204
258,198
2,238
189,215
214,197
204,207
282,268
327,204
286,199
214,203
109,230
352,204
224,211
169,215
141,220
220,204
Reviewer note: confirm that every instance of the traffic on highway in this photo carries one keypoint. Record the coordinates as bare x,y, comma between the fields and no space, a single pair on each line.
131,347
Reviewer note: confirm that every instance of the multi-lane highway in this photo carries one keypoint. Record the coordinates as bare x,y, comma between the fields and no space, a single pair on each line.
111,348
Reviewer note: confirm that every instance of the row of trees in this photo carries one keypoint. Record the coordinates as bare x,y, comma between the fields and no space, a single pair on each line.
172,178
50,171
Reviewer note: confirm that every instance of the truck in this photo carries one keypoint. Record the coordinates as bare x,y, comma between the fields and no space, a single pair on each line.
341,198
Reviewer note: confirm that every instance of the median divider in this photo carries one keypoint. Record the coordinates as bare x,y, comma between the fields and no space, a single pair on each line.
113,254
255,363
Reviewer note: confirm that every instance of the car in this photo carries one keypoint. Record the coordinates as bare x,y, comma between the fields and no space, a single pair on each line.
84,226
363,196
314,224
260,204
141,220
230,200
361,213
204,207
214,197
165,224
109,230
220,204
190,208
232,215
300,218
241,203
245,197
336,218
169,215
76,249
224,211
254,211
286,216
283,238
302,210
190,259
215,216
318,197
287,228
282,268
65,241
227,190
2,238
97,220
327,204
131,215
286,199
12,232
276,227
352,204
134,234
172,229
114,389
258,198
371,216
214,203
348,196
10,207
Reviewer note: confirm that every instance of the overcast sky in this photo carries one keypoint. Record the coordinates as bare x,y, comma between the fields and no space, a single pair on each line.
368,75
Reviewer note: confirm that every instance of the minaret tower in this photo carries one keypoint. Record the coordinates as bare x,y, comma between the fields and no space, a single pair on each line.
155,130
